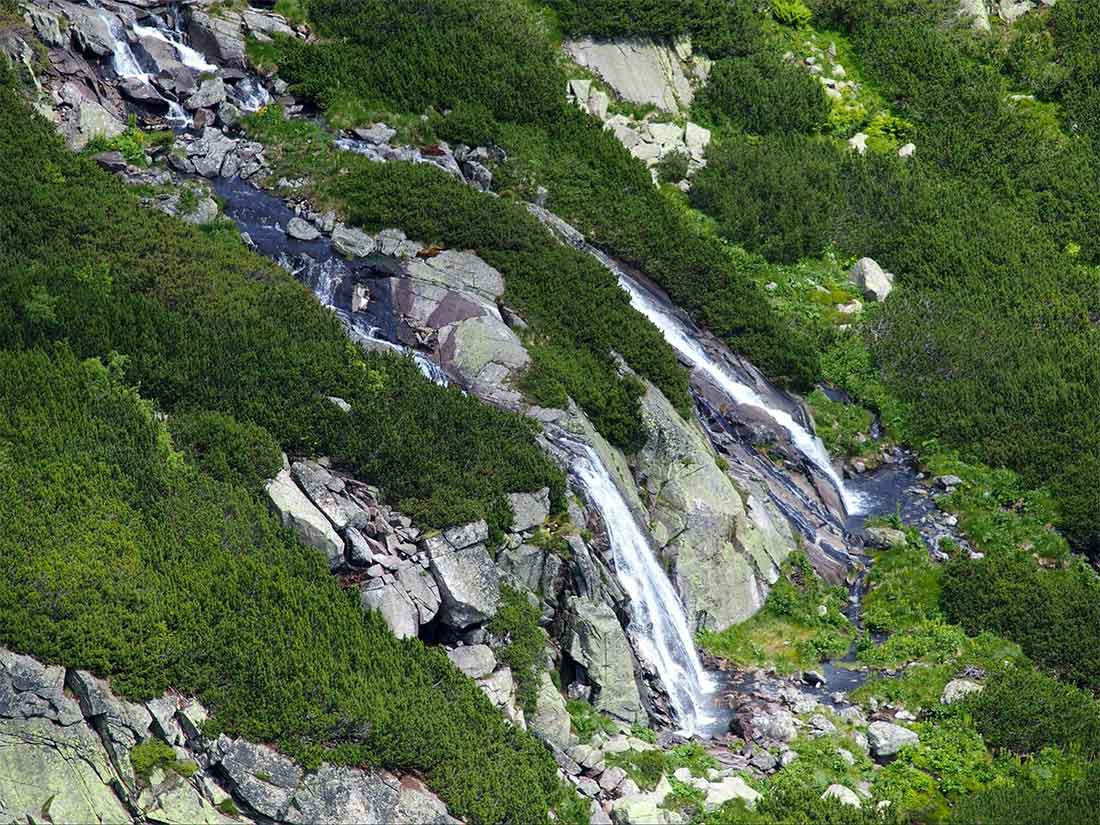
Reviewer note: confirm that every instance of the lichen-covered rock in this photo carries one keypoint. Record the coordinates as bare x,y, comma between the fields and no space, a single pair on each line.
298,513
550,720
264,779
599,644
342,794
722,562
55,773
886,739
876,283
30,689
641,71
469,584
529,510
476,661
958,689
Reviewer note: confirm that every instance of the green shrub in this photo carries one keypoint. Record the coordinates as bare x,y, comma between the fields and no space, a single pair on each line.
792,13
1070,803
673,167
225,448
718,28
763,94
1053,614
1023,711
586,721
123,559
148,756
517,621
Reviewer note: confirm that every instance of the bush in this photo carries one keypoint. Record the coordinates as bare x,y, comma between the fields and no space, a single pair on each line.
517,621
244,454
763,94
673,167
206,325
406,55
778,197
1070,803
122,559
1053,614
1023,711
791,13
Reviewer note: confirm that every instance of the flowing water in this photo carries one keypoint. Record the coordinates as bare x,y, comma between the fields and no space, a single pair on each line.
189,57
126,65
659,624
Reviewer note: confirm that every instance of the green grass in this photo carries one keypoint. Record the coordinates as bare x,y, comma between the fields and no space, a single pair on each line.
903,588
788,635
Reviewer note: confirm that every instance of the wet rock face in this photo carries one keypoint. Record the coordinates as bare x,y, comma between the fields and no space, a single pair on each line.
723,563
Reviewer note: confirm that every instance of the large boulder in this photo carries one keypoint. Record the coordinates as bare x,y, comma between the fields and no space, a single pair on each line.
93,120
55,773
298,513
529,510
958,689
875,282
476,661
550,720
524,565
263,778
218,37
886,738
599,645
393,602
211,92
30,689
843,794
721,562
419,805
469,584
422,590
640,71
342,794
351,242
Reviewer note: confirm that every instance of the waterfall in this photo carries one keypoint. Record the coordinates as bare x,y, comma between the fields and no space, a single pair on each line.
685,342
189,57
126,65
659,622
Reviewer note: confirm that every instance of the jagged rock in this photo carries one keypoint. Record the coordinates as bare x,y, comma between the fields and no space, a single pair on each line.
422,589
54,773
92,121
696,138
391,600
211,92
876,283
163,710
29,689
599,644
418,806
468,580
641,71
351,242
298,513
476,661
598,103
191,717
524,565
500,687
886,739
172,800
263,778
842,794
229,115
47,26
301,230
90,32
611,779
957,690
978,11
342,794
321,486
885,537
205,211
529,509
721,562
218,37
551,720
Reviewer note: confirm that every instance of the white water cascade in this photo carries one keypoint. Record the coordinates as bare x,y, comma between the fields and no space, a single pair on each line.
658,620
189,57
126,65
686,343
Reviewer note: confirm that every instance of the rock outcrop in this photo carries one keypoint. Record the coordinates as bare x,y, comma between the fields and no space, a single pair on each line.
641,71
599,645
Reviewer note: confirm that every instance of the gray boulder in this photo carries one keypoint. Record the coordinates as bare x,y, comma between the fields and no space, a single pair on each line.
875,282
524,565
422,590
54,773
469,584
641,71
978,12
397,609
842,794
342,794
47,26
94,121
476,661
264,779
778,724
218,37
416,804
326,491
211,92
958,689
886,739
600,646
351,242
30,689
302,230
551,721
529,510
298,513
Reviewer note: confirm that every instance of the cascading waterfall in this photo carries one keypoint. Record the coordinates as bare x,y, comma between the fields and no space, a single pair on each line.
658,620
126,65
686,343
189,57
